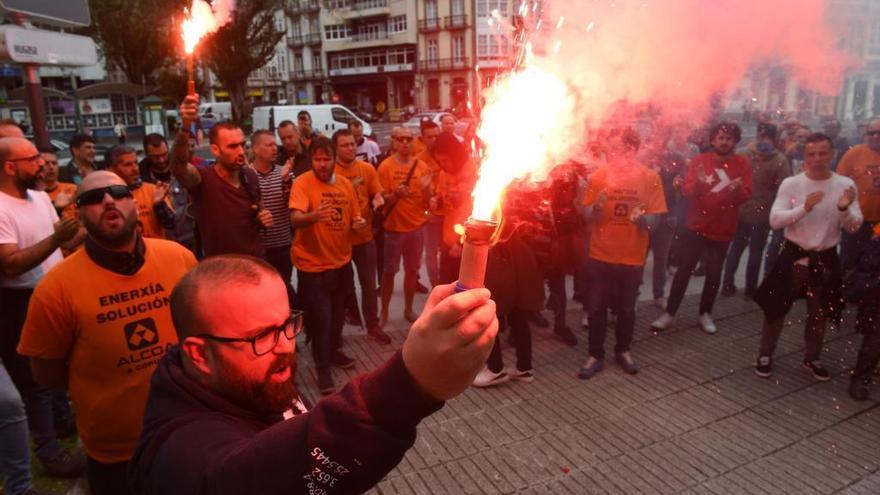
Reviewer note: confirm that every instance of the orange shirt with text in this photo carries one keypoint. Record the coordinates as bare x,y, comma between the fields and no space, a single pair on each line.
614,238
410,212
112,330
143,196
323,246
862,165
365,180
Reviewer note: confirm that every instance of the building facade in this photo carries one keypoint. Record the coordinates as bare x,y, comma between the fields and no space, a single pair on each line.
308,83
446,76
370,52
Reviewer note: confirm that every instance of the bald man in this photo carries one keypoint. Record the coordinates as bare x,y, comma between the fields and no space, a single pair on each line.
9,128
30,235
99,322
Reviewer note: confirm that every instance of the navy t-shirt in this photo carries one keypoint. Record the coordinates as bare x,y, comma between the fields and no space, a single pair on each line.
225,214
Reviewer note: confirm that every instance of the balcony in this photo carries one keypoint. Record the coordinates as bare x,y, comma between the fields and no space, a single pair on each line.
380,35
312,39
297,7
317,74
298,75
355,9
456,22
431,25
295,41
444,64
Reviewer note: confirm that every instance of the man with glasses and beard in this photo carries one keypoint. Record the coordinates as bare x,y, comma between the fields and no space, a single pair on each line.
30,237
99,322
224,415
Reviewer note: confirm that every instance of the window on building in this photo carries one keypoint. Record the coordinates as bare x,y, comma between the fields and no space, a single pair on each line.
295,29
457,7
373,31
397,24
433,50
314,25
316,61
485,7
337,32
458,48
431,10
492,47
297,62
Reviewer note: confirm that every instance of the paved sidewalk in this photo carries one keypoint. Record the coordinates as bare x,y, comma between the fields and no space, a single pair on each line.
694,420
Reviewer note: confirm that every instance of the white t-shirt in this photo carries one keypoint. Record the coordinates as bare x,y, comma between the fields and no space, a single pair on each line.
819,229
369,152
25,222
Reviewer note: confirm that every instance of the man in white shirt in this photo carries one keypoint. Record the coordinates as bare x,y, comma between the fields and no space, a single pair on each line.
30,235
367,149
813,207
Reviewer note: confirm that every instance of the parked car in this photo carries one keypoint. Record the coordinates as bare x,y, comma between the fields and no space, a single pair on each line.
326,119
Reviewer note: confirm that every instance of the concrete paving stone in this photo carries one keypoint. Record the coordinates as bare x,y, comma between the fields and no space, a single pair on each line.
416,484
618,432
482,476
675,462
769,476
652,472
590,482
747,484
623,481
518,476
853,441
784,469
715,450
870,485
663,468
722,485
827,466
430,480
430,448
571,456
637,475
597,441
462,478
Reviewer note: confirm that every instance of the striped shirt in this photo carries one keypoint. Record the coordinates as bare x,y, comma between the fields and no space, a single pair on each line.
274,193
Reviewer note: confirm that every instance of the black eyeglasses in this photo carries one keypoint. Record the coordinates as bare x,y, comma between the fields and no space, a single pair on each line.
95,196
265,341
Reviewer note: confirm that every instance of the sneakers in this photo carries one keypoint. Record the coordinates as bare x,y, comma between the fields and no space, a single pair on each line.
488,378
728,291
707,324
590,368
340,360
664,322
858,389
527,376
66,465
376,333
819,372
625,360
764,366
325,382
565,335
660,302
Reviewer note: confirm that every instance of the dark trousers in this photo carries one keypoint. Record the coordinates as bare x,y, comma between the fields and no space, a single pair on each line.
869,354
37,398
558,298
773,249
279,257
814,328
693,247
323,295
363,257
449,266
518,325
107,479
617,291
852,245
755,237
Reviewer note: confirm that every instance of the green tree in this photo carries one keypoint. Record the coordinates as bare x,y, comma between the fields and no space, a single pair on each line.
244,44
137,36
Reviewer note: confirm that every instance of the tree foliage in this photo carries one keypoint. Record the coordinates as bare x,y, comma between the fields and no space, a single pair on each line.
138,36
246,43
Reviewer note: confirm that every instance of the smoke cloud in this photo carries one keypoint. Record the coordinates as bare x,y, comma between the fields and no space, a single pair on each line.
205,18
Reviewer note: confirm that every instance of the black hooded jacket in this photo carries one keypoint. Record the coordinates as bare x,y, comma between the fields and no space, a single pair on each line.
196,442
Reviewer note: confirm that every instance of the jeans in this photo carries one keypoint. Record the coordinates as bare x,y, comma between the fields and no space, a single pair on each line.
558,298
15,455
755,236
37,398
852,245
323,295
107,479
814,328
406,245
693,247
518,324
618,291
364,258
433,244
279,258
660,244
773,250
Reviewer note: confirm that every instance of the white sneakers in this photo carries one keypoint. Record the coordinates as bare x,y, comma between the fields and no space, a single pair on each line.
488,378
707,324
666,320
663,322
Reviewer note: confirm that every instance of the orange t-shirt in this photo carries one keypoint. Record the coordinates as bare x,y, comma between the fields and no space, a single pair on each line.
418,146
456,203
409,214
323,246
614,238
69,211
112,329
143,196
365,180
862,165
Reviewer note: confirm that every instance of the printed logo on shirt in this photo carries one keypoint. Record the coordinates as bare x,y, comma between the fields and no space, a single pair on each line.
141,334
621,210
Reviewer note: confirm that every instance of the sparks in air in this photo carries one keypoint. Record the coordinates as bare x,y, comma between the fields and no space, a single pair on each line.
522,121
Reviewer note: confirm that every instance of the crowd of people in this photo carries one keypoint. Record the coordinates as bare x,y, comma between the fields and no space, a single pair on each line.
144,303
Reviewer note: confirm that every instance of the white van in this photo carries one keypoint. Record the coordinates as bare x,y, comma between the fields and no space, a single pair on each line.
326,119
216,111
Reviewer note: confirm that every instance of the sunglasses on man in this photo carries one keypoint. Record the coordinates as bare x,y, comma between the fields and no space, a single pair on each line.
96,196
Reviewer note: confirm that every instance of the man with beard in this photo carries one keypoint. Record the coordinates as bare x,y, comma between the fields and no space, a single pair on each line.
717,182
99,322
224,416
291,153
30,237
326,213
226,195
154,208
367,149
155,169
82,147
